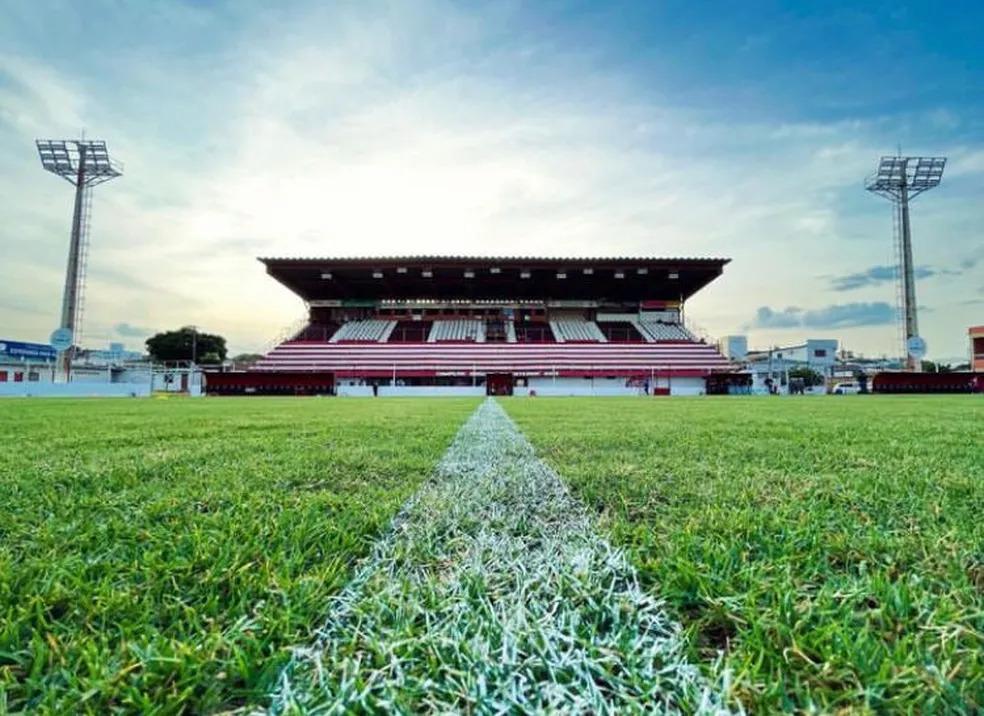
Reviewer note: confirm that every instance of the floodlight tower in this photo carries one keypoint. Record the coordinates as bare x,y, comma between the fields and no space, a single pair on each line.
84,163
901,179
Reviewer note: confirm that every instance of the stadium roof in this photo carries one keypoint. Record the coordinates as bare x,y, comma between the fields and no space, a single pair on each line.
505,278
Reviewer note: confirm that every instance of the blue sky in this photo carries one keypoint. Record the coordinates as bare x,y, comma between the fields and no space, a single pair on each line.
691,129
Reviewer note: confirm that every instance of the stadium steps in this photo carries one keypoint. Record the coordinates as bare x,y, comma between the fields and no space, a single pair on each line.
457,331
568,331
370,331
654,331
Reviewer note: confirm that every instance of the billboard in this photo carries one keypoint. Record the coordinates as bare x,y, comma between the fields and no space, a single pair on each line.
26,351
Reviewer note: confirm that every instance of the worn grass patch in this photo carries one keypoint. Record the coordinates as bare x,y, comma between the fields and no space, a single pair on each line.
833,548
163,555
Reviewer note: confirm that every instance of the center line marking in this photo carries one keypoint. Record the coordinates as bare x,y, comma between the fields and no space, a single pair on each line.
493,593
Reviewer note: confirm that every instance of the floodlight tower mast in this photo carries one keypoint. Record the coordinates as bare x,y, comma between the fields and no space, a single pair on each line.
84,164
901,179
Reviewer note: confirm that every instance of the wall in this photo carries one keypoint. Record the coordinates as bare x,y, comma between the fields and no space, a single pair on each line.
75,390
578,386
687,386
429,390
358,391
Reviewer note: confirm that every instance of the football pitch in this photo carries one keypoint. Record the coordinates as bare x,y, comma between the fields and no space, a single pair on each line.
175,555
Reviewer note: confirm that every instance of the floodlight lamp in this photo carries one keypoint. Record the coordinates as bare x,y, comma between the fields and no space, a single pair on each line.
77,160
911,175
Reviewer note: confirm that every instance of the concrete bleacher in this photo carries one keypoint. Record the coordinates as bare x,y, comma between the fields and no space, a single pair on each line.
575,331
660,331
369,331
457,330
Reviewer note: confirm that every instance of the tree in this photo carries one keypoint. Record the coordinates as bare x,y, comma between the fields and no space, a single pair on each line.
809,376
187,343
246,358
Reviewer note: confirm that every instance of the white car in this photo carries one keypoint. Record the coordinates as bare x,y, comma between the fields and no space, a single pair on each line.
850,388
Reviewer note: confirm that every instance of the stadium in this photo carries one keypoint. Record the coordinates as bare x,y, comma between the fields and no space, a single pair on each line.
379,383
431,325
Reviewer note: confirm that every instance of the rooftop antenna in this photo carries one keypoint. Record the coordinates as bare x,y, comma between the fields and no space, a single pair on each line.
84,163
901,179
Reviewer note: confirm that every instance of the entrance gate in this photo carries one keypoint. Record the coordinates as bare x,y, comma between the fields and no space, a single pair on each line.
499,384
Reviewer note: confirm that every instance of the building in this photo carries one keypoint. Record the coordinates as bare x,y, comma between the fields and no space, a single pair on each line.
976,334
29,369
483,325
26,362
735,348
770,368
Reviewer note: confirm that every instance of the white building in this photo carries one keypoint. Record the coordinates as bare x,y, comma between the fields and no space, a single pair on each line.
774,364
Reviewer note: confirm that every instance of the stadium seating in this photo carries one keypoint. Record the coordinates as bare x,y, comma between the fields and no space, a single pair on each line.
575,331
371,331
457,331
529,357
660,331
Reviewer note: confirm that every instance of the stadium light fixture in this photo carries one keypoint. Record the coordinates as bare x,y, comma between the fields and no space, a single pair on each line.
326,276
427,273
619,274
561,275
642,271
469,273
673,275
377,274
83,163
524,274
401,269
901,179
588,271
495,269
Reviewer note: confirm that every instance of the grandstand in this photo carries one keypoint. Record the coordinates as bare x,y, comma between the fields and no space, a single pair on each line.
422,324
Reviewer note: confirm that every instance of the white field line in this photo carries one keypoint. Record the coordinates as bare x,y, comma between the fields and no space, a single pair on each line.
493,593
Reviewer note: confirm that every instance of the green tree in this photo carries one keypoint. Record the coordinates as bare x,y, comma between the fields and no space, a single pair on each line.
187,343
246,358
810,377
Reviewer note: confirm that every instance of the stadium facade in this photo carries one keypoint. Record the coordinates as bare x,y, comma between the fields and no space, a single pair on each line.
466,325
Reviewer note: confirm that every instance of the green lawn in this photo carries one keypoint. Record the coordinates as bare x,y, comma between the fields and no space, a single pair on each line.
832,548
163,554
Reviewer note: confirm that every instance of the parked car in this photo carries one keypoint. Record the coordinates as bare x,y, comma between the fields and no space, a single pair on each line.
848,388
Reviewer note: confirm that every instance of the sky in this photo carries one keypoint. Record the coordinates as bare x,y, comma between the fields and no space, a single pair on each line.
739,130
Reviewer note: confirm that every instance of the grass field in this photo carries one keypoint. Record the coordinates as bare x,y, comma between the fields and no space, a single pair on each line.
167,552
832,548
162,555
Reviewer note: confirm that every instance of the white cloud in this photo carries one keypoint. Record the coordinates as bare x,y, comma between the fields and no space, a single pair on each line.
426,128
